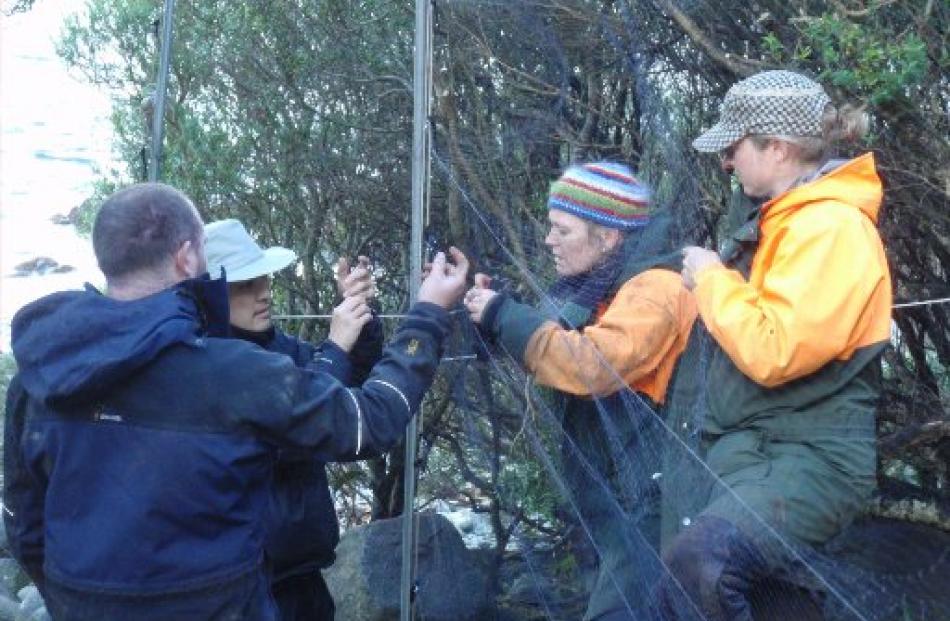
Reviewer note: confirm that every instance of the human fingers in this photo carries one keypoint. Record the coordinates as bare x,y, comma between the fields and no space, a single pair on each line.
482,280
358,282
476,306
437,267
460,261
364,290
362,308
696,258
356,274
688,281
470,295
349,304
342,268
478,297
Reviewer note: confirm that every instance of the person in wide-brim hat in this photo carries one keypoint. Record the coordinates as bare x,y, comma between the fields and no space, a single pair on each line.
247,267
302,524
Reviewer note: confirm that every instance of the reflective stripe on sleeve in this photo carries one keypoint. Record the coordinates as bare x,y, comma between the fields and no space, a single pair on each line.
359,421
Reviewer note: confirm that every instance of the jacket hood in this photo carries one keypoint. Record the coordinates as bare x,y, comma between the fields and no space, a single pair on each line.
854,182
654,246
72,347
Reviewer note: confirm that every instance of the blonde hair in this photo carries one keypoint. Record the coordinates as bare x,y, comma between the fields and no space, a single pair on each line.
845,125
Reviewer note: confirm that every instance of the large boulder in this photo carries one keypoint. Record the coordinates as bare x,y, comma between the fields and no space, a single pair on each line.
31,605
8,608
11,578
365,580
891,570
40,266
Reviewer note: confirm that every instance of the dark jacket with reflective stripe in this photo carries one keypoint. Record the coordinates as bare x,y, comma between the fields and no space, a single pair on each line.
303,530
140,451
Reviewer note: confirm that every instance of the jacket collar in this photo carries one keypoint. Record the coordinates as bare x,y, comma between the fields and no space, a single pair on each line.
74,346
854,183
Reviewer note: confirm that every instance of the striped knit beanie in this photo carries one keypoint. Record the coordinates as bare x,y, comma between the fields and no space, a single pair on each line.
606,193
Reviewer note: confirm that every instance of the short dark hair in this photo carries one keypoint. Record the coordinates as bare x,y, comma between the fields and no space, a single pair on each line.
142,226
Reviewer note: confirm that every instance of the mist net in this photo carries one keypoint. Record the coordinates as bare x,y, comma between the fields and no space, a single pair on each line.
589,489
585,462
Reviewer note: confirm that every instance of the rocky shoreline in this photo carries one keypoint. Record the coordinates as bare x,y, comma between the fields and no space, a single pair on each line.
20,600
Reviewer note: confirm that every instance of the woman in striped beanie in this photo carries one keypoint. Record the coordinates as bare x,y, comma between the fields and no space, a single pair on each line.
613,324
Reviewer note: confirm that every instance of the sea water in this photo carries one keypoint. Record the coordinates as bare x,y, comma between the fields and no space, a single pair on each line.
55,140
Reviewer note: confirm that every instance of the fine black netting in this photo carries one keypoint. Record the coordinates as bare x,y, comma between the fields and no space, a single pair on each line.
591,491
296,118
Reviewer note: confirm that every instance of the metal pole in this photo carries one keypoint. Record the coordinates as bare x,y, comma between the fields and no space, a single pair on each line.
161,85
420,153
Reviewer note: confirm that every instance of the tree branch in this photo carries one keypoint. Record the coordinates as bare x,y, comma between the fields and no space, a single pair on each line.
740,66
922,433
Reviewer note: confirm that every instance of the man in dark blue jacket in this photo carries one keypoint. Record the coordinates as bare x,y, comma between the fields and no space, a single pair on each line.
140,446
302,528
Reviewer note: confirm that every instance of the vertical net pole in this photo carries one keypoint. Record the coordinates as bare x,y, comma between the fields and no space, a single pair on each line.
420,153
161,85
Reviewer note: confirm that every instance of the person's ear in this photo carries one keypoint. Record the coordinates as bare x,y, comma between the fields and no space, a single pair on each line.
188,260
610,238
781,150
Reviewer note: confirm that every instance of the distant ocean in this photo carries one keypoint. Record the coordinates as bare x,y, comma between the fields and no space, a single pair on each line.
55,135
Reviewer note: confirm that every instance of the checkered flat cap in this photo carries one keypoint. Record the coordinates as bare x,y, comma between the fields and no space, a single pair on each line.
772,103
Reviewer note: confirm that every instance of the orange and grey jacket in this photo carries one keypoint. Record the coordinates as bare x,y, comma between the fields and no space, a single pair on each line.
630,332
634,339
804,328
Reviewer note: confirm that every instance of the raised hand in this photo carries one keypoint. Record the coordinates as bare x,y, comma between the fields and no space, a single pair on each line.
348,320
445,281
478,297
357,281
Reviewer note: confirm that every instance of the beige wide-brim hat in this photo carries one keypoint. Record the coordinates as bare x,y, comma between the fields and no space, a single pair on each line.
228,245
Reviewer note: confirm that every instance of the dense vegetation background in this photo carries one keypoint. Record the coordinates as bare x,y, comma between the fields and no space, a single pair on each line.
295,117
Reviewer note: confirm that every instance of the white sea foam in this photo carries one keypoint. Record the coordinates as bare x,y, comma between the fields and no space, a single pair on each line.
55,135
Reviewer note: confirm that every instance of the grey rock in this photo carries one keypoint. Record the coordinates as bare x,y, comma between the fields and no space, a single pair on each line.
8,608
462,521
40,614
525,589
30,602
39,266
365,579
11,577
27,591
897,570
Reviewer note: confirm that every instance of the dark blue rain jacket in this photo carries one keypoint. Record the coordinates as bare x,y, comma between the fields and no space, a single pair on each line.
140,449
303,529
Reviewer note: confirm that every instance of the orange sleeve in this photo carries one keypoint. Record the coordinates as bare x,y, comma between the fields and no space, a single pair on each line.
817,286
629,341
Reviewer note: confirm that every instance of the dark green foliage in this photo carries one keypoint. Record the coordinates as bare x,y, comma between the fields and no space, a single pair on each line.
296,118
7,371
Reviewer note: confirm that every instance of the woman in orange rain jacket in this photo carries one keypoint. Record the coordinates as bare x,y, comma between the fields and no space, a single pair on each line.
799,303
620,318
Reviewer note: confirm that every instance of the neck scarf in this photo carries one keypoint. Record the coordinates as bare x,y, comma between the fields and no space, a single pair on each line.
574,299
